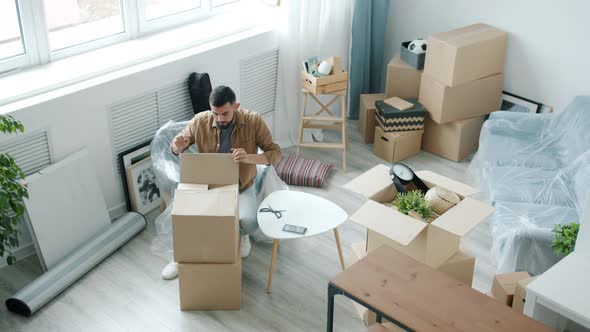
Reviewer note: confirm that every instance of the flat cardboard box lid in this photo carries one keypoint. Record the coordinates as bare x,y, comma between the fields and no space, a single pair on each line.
219,203
388,222
469,35
371,182
463,217
208,168
192,186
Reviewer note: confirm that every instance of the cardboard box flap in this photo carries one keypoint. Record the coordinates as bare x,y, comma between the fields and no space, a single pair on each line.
470,34
192,186
388,222
461,218
432,179
371,182
204,203
208,168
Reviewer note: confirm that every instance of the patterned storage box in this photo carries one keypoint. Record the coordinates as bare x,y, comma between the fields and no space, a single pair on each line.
391,119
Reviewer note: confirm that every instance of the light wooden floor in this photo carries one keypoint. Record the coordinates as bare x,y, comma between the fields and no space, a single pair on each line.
126,293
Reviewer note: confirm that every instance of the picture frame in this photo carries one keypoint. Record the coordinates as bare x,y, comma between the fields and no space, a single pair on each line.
143,190
130,157
513,103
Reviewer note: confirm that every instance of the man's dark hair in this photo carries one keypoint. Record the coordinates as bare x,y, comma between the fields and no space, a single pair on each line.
222,95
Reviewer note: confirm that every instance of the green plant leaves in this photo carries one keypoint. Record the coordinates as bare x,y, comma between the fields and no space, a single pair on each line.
12,194
564,239
413,200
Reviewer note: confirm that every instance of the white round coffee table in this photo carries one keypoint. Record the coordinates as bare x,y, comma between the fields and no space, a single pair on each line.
297,208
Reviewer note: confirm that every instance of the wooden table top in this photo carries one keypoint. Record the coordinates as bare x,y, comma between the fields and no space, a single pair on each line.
425,299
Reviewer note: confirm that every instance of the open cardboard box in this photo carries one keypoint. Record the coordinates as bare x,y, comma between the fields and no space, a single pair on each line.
431,243
205,218
337,80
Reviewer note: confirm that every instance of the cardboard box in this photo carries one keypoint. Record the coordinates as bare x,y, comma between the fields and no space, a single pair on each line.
466,54
205,223
337,80
475,98
453,140
520,294
397,145
403,81
205,226
210,286
504,286
359,250
430,243
367,116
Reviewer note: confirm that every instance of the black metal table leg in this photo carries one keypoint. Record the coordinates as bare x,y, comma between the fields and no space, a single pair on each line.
332,291
379,317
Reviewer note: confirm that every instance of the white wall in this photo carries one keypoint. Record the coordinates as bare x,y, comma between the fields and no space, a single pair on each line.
81,119
548,48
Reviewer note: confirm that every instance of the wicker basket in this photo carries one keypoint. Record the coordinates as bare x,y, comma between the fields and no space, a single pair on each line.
441,200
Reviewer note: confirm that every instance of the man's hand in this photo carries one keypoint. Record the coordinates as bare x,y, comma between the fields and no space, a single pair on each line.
240,156
180,143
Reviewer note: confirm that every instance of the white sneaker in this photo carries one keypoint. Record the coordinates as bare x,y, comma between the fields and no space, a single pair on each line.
170,271
245,246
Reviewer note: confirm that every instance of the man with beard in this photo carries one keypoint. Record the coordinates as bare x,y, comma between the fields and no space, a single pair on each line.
227,128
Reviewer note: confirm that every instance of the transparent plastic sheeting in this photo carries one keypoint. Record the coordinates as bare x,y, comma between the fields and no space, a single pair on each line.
167,170
535,169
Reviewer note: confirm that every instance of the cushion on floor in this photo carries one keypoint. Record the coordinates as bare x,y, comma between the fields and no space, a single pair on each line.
298,171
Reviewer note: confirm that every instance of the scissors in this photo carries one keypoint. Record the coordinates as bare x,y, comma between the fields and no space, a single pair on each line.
277,213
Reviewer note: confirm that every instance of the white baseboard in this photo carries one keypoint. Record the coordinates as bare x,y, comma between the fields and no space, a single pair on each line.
24,250
118,211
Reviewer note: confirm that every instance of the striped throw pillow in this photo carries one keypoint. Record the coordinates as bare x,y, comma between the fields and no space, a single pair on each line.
303,172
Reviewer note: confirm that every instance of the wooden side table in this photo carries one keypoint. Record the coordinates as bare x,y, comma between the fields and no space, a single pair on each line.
416,297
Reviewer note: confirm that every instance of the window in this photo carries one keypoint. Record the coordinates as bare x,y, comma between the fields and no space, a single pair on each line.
74,22
12,47
36,32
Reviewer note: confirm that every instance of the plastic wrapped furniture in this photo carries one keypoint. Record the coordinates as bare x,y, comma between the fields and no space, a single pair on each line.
167,170
535,169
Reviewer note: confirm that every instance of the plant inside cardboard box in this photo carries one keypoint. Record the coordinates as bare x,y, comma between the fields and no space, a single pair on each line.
413,201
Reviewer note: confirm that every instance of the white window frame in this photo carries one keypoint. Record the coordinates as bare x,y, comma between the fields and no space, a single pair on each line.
35,34
169,21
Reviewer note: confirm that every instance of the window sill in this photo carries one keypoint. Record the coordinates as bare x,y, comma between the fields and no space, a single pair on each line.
38,84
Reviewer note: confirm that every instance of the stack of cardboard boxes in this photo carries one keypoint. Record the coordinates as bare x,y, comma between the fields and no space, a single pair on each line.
461,82
435,244
205,229
510,289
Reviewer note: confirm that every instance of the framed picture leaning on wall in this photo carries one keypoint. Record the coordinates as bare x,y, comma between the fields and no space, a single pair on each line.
143,190
130,157
513,103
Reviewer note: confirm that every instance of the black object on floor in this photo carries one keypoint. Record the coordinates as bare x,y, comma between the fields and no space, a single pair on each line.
199,88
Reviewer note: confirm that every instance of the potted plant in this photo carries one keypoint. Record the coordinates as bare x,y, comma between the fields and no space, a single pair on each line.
564,239
12,194
413,201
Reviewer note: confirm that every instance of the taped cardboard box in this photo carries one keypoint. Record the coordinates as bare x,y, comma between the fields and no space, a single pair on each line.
210,286
475,98
504,286
397,146
402,80
430,243
205,223
520,294
453,140
367,116
466,54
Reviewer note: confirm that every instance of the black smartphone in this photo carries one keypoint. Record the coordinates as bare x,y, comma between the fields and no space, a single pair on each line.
295,229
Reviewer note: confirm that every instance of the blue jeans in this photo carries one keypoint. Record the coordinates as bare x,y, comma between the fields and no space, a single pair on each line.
248,211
